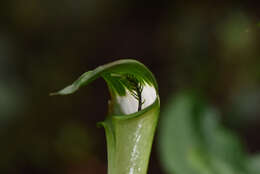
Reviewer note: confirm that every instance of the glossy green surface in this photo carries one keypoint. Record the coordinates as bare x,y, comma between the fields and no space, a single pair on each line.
129,141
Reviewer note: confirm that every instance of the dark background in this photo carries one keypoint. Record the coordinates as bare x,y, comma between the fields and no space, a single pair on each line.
46,44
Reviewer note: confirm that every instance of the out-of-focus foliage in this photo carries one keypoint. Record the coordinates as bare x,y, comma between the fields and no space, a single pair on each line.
254,164
192,140
44,44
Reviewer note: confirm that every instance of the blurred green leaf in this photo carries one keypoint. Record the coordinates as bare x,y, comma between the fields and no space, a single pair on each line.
192,141
254,164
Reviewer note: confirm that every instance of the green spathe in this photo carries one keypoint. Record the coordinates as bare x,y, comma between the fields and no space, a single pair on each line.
129,140
133,113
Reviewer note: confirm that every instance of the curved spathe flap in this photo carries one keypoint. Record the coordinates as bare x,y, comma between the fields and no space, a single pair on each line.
132,86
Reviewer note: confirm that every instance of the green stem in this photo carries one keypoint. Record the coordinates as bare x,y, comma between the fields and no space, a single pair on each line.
129,140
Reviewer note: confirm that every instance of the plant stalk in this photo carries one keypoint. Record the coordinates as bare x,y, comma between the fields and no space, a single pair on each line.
129,140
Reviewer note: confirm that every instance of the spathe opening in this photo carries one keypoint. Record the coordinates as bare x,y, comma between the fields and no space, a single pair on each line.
128,104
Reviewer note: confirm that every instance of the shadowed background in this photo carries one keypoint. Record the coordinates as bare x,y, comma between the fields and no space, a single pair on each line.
45,45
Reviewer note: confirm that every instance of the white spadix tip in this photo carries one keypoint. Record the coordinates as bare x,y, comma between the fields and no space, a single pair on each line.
128,104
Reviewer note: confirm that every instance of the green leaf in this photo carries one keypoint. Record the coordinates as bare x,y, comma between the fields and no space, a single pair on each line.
133,113
192,140
254,164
